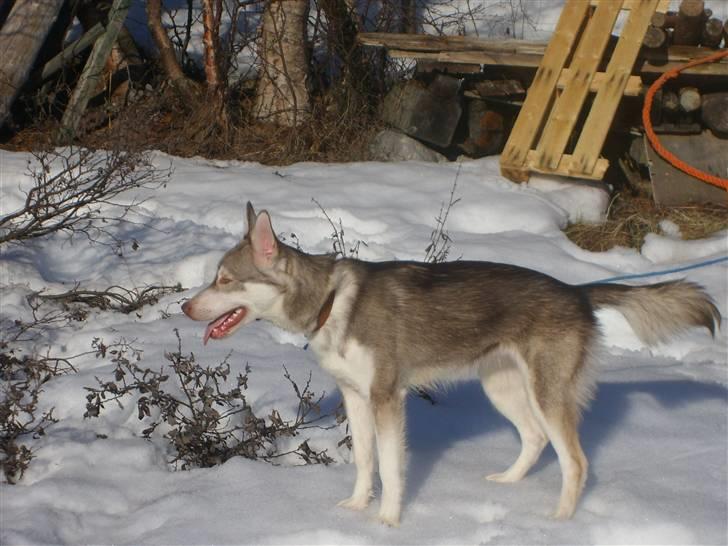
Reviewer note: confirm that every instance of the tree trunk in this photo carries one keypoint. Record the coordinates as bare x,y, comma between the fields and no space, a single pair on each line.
21,37
183,85
211,13
282,93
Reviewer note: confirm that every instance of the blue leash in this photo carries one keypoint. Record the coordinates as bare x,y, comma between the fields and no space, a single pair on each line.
663,272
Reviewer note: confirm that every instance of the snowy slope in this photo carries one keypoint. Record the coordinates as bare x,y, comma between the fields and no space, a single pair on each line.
656,435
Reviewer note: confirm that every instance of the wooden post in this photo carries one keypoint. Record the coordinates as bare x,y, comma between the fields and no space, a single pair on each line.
21,38
93,71
68,53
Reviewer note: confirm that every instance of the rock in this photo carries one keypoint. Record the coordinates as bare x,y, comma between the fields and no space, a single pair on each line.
428,112
391,145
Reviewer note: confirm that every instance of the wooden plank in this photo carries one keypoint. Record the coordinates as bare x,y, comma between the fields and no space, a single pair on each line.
719,69
585,63
427,42
93,71
663,6
564,167
471,57
520,53
632,88
532,113
600,117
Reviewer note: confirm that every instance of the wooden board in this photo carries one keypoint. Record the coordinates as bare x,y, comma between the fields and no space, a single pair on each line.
540,142
524,54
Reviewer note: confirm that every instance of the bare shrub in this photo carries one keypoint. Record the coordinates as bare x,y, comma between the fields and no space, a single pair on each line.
205,421
114,298
338,238
20,416
76,190
440,242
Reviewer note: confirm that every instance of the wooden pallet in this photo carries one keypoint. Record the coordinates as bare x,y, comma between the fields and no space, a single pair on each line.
563,81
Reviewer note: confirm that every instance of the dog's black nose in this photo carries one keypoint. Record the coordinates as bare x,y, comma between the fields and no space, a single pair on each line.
186,308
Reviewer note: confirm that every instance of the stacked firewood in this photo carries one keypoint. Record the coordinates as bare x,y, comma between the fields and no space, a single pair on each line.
692,25
689,109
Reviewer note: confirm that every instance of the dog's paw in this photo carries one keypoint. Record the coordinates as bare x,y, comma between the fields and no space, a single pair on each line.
389,514
562,514
355,502
503,477
390,520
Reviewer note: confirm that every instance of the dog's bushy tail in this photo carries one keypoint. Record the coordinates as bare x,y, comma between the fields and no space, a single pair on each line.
657,311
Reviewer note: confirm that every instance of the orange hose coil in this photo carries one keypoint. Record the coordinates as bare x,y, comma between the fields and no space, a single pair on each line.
652,137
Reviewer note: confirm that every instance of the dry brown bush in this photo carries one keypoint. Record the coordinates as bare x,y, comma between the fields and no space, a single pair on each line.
630,218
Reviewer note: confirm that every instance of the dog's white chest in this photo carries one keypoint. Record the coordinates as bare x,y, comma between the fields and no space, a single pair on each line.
353,366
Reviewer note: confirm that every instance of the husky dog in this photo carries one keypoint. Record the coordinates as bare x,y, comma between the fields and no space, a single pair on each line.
382,328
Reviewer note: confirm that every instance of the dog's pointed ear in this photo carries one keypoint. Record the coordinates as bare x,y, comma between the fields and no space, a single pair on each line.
264,242
250,218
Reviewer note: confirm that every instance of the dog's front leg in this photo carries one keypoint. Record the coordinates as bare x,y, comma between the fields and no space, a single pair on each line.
388,411
361,422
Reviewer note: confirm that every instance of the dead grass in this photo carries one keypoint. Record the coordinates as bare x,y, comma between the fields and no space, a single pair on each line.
630,218
159,121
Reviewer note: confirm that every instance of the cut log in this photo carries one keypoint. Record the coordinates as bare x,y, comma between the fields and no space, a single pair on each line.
487,130
21,38
715,113
689,24
655,38
712,33
725,34
690,99
670,102
664,20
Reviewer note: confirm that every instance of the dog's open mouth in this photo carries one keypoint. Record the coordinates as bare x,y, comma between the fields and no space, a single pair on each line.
222,326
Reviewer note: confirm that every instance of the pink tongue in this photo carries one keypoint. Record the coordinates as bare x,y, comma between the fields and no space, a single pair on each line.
217,328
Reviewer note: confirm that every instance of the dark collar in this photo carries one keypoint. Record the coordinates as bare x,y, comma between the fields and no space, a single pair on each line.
325,311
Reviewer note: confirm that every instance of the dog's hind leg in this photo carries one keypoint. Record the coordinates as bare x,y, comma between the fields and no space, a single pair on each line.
388,409
555,400
361,421
504,384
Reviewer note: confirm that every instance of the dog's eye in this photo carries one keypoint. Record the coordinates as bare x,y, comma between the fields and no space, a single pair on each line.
224,280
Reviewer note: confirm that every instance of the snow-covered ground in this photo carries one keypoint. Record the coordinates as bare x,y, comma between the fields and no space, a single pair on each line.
656,434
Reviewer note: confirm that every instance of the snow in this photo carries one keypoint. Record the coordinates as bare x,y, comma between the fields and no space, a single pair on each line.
656,434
